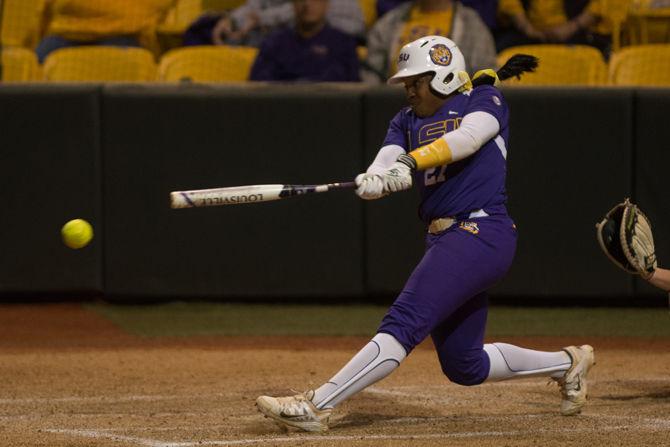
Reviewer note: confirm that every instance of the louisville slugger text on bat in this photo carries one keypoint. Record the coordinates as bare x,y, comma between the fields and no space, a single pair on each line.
236,195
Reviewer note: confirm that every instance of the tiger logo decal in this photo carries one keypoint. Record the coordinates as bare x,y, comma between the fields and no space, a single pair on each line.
440,55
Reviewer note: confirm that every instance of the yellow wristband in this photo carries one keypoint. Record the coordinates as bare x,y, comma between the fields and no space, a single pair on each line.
434,154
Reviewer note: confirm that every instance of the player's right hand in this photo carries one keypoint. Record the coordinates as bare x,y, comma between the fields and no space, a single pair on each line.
370,186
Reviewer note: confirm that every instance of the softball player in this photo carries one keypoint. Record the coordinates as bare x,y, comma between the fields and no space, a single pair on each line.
451,142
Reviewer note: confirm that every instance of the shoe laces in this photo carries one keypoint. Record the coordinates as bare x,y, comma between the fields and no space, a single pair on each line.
291,406
301,396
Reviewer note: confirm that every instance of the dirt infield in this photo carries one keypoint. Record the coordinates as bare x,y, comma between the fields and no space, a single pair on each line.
71,378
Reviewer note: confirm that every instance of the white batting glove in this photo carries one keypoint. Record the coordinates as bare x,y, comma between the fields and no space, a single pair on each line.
397,177
370,186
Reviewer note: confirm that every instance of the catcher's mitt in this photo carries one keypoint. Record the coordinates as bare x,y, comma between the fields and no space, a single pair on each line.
625,236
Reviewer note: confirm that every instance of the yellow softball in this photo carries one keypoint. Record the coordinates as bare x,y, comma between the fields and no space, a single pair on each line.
77,233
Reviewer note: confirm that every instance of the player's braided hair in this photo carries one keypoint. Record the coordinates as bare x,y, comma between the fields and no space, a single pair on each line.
514,67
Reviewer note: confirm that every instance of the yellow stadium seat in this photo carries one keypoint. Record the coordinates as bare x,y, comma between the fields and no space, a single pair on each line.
20,22
649,25
180,16
615,15
20,65
100,64
560,65
369,8
207,64
644,65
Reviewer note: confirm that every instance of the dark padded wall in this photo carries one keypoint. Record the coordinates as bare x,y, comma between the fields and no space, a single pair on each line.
162,139
569,161
50,171
394,233
652,161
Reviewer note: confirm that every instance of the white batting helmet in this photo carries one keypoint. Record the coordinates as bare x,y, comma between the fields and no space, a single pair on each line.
433,54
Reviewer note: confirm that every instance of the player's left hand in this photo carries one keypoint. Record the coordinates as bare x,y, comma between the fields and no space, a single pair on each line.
397,177
625,236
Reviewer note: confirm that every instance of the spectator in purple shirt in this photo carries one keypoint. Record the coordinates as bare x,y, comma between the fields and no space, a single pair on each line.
310,51
487,9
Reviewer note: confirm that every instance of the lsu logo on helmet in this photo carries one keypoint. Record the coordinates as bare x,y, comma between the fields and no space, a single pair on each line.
440,55
403,57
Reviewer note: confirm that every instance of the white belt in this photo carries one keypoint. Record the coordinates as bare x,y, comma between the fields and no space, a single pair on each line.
443,223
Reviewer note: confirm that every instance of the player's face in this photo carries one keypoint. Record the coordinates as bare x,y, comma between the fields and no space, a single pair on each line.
417,90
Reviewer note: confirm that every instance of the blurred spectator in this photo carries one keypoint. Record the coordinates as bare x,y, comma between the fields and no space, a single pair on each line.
419,18
251,22
487,9
552,21
384,6
309,51
101,22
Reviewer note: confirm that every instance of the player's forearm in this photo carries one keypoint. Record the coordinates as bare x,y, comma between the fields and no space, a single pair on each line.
661,279
522,23
386,156
475,130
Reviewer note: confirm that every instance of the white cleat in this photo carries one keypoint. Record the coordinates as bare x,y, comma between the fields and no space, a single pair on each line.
573,383
295,411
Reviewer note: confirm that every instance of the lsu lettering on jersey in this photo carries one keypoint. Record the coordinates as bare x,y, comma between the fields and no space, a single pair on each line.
474,183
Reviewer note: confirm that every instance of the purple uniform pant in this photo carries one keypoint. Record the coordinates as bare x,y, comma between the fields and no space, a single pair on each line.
445,296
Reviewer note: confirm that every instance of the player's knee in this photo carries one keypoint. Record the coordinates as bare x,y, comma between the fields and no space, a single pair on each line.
407,325
464,371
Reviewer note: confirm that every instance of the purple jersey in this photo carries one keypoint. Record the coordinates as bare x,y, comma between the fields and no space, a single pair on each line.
474,183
